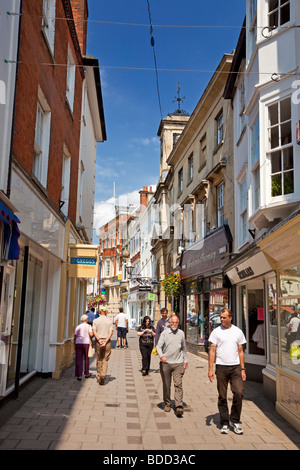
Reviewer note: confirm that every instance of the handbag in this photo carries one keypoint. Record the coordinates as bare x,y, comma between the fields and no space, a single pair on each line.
91,351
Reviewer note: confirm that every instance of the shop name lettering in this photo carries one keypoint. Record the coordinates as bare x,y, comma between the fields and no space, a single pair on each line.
245,272
84,261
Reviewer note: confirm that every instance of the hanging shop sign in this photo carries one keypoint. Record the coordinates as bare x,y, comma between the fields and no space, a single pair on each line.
83,261
9,233
252,267
207,255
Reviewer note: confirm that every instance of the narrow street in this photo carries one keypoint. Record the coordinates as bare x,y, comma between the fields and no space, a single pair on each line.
126,414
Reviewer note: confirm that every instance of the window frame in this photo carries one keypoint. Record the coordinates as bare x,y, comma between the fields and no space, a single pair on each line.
41,140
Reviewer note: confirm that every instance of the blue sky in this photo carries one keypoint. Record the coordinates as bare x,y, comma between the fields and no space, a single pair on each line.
119,36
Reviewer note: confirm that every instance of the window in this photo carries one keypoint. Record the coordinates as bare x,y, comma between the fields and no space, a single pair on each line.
202,159
190,167
81,188
281,150
243,210
201,219
180,181
48,23
242,120
107,273
279,12
70,79
255,163
219,124
65,182
41,140
175,138
220,204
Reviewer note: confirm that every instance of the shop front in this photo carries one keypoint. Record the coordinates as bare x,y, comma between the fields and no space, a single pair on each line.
254,287
282,248
205,290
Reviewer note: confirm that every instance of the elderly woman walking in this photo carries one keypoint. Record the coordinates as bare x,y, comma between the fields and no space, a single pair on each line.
82,335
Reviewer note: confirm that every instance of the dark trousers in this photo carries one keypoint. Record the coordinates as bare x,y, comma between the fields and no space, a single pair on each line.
82,357
232,375
146,350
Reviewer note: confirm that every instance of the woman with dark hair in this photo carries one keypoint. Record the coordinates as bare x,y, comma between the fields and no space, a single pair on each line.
146,333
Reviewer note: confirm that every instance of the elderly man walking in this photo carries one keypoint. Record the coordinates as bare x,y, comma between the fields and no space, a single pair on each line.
171,349
102,330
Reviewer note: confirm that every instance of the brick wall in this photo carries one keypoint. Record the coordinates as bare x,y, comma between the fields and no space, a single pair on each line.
80,14
65,127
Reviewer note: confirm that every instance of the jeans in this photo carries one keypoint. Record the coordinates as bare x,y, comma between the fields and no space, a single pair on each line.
146,350
177,371
232,374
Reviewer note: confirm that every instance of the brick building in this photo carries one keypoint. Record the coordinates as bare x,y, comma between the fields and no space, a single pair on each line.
58,105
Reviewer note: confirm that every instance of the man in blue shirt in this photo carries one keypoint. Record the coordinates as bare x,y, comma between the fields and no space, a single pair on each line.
91,315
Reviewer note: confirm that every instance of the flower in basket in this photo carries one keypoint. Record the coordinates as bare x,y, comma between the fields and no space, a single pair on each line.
171,284
97,300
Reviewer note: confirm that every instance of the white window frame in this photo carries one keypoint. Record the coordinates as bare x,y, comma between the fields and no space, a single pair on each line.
180,181
70,83
48,23
281,147
219,128
278,10
65,181
243,209
41,139
255,164
220,204
190,167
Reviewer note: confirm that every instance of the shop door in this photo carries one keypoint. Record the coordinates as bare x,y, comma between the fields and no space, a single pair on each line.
6,324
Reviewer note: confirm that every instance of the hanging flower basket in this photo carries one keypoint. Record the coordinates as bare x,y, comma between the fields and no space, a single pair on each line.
171,285
96,301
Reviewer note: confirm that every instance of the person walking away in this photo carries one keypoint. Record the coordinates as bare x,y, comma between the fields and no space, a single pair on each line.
171,349
162,324
82,335
91,314
226,348
146,333
102,330
121,322
293,329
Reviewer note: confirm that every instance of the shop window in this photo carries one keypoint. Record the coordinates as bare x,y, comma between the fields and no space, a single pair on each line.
253,319
273,323
289,314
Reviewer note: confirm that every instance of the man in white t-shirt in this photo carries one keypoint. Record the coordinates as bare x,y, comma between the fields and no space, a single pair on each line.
226,347
121,322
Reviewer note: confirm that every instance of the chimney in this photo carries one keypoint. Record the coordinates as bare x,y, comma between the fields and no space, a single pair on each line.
145,195
80,15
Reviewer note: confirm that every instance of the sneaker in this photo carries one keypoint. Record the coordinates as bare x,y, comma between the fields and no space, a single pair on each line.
224,429
236,428
179,411
102,380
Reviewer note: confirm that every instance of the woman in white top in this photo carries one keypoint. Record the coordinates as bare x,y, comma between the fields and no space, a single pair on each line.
82,335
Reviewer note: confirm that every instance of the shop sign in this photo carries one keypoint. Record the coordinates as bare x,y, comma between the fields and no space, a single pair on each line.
83,261
254,266
205,256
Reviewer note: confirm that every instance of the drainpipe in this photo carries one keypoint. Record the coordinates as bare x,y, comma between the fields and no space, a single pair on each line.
21,321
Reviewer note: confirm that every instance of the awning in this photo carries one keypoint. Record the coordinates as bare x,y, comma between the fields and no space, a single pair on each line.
10,247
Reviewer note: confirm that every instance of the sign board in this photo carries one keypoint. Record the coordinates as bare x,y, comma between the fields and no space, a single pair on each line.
83,261
252,267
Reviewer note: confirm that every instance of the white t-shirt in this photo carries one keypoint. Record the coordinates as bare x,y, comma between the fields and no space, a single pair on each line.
121,319
227,341
294,323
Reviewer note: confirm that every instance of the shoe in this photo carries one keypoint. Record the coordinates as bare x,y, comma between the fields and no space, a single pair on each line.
102,380
167,408
236,428
179,411
78,378
88,376
118,347
224,429
144,372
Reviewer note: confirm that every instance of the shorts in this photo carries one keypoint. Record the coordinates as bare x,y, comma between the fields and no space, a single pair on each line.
121,332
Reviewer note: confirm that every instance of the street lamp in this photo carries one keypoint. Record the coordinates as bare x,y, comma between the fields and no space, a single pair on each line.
129,269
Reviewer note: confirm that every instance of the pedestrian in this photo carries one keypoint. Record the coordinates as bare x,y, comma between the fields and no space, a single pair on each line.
82,335
146,333
102,330
226,348
171,349
162,324
121,322
293,329
91,314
